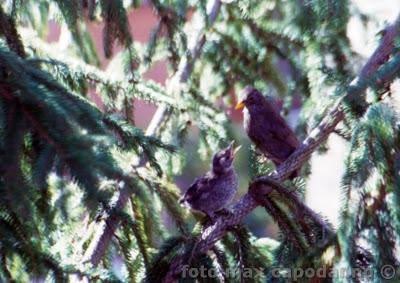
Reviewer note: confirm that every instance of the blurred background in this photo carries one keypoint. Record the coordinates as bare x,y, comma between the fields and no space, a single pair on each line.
323,192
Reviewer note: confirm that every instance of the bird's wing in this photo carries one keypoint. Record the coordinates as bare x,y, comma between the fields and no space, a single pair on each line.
200,188
280,138
284,133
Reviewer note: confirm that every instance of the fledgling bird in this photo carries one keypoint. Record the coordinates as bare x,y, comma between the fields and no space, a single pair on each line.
266,128
213,191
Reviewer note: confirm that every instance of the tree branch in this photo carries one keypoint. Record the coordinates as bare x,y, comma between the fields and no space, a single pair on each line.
368,77
105,233
184,71
382,53
11,34
291,196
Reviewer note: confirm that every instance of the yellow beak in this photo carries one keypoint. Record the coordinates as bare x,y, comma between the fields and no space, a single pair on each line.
240,105
236,150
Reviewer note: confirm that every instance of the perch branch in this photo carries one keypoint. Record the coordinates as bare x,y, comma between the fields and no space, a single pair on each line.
382,53
104,234
247,203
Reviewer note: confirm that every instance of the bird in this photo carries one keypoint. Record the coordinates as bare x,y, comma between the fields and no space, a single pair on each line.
266,128
213,191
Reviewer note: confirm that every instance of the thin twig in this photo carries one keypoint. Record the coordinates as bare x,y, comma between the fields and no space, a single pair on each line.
184,71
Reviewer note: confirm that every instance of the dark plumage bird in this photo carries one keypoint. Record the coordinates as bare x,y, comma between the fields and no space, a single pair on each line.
214,190
266,128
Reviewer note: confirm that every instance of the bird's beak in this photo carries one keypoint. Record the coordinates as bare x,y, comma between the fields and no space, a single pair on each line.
236,150
240,105
232,150
230,147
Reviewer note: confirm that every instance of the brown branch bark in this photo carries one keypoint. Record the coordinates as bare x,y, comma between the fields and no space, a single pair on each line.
384,49
247,203
105,233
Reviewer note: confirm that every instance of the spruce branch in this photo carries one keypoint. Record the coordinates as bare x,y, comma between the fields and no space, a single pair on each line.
9,31
116,25
68,162
79,111
284,223
292,198
106,230
73,70
382,53
184,71
372,74
111,224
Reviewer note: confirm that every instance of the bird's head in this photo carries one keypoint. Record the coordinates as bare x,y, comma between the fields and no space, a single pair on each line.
250,97
222,160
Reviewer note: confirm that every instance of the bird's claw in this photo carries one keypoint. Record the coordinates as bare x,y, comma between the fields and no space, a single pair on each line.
224,211
211,217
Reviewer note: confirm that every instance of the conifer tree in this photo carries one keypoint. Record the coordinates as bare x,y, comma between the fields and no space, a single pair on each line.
83,188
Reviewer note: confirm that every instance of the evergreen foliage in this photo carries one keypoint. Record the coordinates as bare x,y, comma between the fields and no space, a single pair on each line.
84,189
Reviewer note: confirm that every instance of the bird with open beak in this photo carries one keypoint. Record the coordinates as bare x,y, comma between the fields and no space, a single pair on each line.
266,128
213,191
